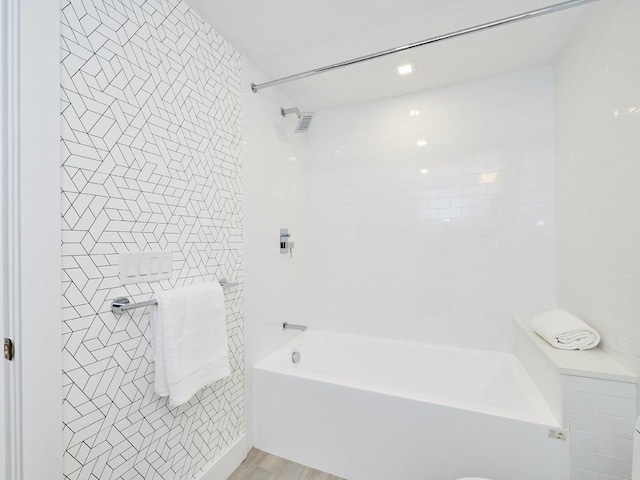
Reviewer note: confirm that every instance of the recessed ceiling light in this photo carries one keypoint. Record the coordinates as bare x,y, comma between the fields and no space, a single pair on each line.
424,171
414,113
421,143
405,69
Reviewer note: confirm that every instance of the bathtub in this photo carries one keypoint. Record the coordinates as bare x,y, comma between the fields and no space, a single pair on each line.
366,408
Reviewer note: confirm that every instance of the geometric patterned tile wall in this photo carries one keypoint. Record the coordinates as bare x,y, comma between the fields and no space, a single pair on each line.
151,140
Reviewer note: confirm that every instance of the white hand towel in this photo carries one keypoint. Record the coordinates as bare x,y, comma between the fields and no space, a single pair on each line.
189,341
565,331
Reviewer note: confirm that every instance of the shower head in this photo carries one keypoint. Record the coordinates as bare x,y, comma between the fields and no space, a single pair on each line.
304,118
303,122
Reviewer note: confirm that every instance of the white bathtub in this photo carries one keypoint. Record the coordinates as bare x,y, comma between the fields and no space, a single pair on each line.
371,409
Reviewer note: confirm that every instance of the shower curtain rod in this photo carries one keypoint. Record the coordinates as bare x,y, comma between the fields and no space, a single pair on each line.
255,87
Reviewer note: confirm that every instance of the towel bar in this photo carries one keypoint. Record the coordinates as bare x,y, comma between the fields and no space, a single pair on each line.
122,304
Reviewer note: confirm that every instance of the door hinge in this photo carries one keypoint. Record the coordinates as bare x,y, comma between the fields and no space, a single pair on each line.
8,349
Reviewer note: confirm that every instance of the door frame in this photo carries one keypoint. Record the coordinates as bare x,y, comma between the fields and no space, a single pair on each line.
31,285
10,454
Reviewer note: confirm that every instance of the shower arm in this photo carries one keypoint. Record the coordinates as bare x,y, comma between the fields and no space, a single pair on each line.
255,87
286,111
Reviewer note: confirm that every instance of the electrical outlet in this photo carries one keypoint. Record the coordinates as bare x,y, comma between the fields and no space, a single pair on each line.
558,434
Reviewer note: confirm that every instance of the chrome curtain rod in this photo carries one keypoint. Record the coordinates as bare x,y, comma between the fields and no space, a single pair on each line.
255,87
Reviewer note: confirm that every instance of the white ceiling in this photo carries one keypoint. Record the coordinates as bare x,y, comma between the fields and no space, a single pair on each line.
284,37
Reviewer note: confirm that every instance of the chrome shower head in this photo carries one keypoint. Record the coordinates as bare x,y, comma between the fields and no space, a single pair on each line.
303,122
304,118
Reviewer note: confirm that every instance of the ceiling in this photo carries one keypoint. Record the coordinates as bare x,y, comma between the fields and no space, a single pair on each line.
284,37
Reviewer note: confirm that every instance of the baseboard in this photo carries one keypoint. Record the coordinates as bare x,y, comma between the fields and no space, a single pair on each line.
224,466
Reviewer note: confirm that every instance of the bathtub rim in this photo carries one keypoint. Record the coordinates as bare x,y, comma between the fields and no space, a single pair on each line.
544,414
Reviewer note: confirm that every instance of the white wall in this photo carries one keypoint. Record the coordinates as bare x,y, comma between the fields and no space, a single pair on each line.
38,353
438,243
273,160
5,284
598,176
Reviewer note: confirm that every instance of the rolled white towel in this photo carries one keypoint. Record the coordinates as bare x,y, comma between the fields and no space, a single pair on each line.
565,331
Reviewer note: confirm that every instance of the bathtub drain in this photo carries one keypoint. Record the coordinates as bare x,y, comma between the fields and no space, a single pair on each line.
295,356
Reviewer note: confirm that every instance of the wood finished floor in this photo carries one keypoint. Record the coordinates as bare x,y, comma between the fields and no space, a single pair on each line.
261,466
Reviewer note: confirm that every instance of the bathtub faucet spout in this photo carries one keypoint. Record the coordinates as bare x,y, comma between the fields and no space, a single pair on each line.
293,326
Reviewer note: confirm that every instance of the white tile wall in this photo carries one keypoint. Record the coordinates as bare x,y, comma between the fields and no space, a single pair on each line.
603,464
599,387
601,444
542,369
601,414
600,404
273,161
602,424
588,475
598,176
151,106
443,241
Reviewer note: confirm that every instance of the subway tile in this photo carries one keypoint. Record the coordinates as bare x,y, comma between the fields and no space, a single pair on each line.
600,404
598,183
452,171
463,180
602,444
450,213
439,203
603,464
598,386
580,474
474,168
600,424
475,212
463,201
461,238
473,190
449,192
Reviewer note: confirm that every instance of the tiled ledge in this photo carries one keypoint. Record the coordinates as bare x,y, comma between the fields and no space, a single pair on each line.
592,395
592,363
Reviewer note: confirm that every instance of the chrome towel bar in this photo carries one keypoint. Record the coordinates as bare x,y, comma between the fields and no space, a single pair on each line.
123,304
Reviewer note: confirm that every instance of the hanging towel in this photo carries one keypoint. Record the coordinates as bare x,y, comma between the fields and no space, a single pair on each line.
565,331
189,341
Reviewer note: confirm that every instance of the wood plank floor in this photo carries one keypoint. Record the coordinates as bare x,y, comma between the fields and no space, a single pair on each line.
261,466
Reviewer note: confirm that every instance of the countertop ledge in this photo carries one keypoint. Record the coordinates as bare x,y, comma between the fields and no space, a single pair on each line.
592,363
